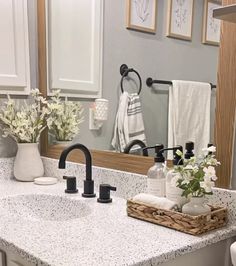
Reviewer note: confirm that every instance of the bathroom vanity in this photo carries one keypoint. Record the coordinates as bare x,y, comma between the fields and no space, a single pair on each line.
41,225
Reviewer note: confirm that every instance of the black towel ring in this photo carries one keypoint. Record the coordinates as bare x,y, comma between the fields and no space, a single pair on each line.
124,70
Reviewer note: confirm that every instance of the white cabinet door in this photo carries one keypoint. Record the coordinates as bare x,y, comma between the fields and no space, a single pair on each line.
74,42
14,47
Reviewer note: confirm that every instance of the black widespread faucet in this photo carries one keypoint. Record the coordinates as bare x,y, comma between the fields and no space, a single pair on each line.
88,182
136,142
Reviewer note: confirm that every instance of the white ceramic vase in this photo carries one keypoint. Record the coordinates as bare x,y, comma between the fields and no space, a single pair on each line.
196,206
28,164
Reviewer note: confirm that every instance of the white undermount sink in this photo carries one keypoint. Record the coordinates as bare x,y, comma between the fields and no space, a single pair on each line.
43,207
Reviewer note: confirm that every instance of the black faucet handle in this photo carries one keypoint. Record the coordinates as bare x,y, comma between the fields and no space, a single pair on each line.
70,184
104,193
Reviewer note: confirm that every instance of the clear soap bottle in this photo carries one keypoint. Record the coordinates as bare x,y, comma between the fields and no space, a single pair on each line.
156,175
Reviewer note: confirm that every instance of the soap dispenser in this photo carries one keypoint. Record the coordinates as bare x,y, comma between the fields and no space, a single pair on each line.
189,147
155,175
173,192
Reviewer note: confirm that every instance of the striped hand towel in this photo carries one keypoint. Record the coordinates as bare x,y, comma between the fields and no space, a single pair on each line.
129,122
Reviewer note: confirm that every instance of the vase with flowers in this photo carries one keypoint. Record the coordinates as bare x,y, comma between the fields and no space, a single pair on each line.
196,177
65,118
25,125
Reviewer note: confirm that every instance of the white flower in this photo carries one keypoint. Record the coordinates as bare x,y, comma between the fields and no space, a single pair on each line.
197,175
210,149
65,117
185,181
188,167
192,160
210,173
207,184
188,176
24,123
213,161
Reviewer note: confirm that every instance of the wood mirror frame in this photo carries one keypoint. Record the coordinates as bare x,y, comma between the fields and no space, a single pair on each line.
225,109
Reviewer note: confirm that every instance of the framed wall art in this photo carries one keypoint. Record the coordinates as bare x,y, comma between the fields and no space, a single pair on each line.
180,19
141,15
211,26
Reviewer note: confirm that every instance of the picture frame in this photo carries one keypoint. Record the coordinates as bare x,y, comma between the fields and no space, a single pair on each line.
180,19
141,15
211,26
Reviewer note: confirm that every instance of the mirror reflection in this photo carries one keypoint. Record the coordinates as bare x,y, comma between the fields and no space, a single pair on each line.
151,55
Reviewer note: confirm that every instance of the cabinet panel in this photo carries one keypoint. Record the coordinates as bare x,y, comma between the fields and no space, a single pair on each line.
74,41
14,47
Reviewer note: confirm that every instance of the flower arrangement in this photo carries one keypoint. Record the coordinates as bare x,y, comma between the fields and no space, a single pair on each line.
25,124
197,176
65,117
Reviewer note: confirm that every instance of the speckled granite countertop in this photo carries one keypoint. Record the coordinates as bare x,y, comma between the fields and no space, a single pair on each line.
104,237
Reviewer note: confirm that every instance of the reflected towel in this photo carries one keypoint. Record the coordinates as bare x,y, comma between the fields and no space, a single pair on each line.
129,122
189,114
156,202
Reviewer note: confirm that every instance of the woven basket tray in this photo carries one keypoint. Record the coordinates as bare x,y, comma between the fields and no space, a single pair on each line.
193,225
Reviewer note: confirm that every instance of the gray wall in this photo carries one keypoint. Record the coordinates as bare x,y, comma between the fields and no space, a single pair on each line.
152,55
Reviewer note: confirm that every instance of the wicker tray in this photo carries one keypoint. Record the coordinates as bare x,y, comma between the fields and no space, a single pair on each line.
193,225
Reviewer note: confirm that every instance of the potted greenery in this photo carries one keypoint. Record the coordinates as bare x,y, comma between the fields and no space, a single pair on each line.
196,177
65,118
25,125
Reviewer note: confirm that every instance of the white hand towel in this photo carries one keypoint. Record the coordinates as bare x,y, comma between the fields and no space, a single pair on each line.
156,202
189,114
129,121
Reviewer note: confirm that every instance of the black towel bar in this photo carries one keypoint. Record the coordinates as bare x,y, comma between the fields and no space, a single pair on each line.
150,82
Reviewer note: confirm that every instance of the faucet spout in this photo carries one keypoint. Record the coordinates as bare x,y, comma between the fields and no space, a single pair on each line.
88,182
138,142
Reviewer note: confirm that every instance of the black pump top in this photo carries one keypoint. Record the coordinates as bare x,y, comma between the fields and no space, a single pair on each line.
189,146
159,153
208,146
159,158
177,159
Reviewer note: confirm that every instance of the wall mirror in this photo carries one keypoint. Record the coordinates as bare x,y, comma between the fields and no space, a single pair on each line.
152,55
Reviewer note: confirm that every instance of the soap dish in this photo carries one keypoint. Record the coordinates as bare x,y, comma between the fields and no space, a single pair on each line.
45,180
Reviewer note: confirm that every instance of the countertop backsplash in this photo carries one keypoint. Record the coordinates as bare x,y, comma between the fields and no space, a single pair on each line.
128,184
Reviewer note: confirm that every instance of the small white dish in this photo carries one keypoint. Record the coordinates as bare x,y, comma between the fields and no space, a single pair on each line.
45,180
